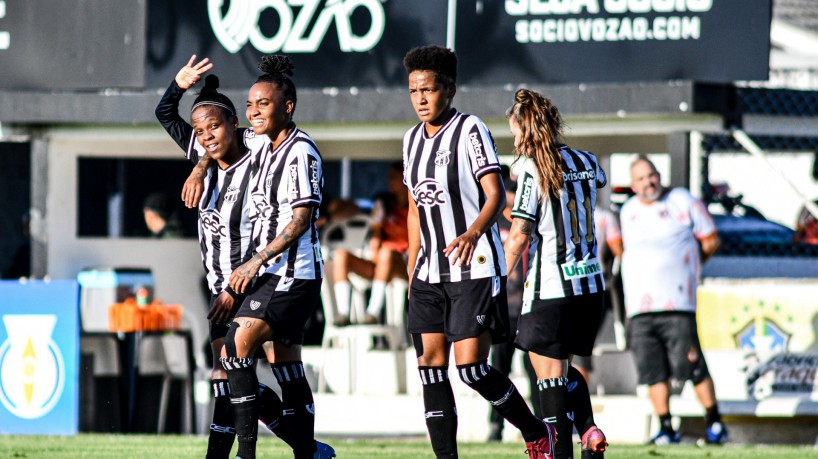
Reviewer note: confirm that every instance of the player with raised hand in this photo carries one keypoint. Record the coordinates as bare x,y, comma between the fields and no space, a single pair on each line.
224,226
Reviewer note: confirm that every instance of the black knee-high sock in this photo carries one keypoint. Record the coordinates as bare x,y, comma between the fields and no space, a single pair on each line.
441,412
298,407
241,373
222,432
553,402
503,396
270,413
579,401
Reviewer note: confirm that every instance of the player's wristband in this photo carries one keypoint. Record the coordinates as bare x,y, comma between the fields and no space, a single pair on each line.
231,292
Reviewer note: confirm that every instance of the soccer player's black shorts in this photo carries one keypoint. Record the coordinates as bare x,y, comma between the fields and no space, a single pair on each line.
284,303
220,330
460,310
560,327
665,346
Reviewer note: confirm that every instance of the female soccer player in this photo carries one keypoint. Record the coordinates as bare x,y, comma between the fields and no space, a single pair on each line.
562,300
457,290
224,227
285,194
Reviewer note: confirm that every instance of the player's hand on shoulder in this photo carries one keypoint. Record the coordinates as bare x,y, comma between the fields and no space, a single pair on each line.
191,73
194,187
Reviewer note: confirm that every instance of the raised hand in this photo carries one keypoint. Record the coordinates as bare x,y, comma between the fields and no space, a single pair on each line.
191,73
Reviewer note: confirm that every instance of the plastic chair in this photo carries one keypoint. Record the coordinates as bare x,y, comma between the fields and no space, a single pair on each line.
353,235
167,355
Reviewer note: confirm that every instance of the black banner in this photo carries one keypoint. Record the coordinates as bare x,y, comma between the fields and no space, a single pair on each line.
333,43
95,44
571,41
71,44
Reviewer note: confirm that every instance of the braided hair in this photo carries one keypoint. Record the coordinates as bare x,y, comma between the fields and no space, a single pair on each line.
540,127
277,69
210,96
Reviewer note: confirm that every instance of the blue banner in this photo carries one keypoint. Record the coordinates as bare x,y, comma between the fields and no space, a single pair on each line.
39,358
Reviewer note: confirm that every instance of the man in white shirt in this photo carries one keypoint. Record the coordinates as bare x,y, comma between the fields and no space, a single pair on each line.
666,235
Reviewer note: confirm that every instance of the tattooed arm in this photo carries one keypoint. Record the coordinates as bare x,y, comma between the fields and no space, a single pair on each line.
517,241
194,185
241,277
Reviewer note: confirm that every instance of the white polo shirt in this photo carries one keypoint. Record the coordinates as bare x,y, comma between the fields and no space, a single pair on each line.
661,259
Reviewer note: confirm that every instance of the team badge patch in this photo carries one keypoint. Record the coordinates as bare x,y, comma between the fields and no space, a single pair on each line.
442,158
481,319
481,259
255,304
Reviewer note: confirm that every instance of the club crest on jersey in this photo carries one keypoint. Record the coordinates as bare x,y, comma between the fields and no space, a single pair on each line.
442,158
232,194
268,181
211,221
429,193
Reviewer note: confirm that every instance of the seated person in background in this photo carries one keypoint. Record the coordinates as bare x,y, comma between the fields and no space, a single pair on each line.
159,218
388,244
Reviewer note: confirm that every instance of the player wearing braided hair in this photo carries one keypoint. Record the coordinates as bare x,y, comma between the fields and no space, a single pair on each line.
224,226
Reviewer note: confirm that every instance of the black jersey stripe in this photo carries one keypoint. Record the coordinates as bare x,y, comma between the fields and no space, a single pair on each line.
453,177
580,188
436,216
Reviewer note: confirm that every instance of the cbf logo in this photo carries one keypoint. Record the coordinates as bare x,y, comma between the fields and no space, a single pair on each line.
32,371
442,158
429,193
301,32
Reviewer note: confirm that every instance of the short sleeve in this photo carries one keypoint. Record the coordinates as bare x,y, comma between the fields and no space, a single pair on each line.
527,199
703,224
601,178
481,150
304,176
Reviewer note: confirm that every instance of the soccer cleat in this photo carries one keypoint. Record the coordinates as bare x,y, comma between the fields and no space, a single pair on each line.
323,451
665,438
593,444
544,447
715,434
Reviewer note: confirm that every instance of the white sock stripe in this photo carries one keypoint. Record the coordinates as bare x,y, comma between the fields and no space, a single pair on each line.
222,429
289,372
237,400
543,384
432,375
237,363
505,397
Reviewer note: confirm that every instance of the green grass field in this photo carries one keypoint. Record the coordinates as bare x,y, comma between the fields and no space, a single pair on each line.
170,446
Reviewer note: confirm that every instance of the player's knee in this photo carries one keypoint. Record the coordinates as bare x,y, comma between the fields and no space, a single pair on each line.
229,348
472,373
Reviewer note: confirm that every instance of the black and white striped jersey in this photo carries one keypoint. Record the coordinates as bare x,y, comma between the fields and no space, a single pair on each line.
443,173
288,177
562,255
225,228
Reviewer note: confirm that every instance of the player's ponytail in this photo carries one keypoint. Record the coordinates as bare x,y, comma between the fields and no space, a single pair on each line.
277,69
209,95
540,127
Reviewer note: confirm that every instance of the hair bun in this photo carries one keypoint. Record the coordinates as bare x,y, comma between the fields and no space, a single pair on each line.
211,83
276,64
524,97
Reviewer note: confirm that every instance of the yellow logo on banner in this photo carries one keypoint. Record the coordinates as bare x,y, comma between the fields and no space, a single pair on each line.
32,371
762,315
